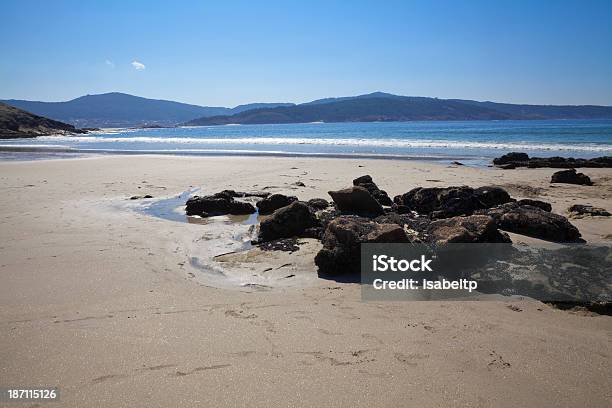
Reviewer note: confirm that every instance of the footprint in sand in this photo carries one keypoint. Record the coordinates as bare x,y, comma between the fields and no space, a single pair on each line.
240,314
408,359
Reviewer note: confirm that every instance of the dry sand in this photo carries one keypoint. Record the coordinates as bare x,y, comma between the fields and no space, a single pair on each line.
102,301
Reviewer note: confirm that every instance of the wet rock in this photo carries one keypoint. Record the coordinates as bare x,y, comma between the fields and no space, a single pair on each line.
457,163
286,222
533,222
318,204
582,210
511,158
272,203
356,200
543,205
378,194
569,163
342,241
470,229
571,177
448,202
221,203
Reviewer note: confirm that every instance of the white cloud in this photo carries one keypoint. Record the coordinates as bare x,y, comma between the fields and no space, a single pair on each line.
110,63
138,66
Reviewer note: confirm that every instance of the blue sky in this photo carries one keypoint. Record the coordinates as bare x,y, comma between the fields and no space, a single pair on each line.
230,52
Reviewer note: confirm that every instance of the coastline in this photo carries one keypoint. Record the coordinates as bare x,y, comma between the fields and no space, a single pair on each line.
104,302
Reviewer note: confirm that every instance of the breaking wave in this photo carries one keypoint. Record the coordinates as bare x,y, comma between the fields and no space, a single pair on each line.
348,142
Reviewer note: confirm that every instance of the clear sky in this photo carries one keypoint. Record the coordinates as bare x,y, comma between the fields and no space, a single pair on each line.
230,52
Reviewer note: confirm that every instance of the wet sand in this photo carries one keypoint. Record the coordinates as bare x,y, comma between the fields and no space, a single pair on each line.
107,304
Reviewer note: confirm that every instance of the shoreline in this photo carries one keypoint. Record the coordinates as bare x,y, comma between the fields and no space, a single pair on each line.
221,153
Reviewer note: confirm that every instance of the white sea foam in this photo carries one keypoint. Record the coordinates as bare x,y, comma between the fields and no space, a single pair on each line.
349,142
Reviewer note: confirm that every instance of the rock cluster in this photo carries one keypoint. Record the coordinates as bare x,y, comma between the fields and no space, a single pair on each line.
514,160
433,216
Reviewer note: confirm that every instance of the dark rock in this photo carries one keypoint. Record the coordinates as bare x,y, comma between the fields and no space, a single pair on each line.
299,184
318,203
456,163
342,241
240,208
378,194
571,177
511,158
492,196
356,200
450,201
582,210
217,204
534,222
272,203
287,222
135,197
470,229
543,205
147,196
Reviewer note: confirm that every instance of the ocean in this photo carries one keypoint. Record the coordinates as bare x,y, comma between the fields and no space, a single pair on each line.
475,142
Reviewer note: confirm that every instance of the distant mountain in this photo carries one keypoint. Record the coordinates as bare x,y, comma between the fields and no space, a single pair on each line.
122,110
382,107
345,98
517,111
16,123
249,106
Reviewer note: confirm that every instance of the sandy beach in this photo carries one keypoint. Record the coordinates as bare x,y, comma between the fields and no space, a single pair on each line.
105,302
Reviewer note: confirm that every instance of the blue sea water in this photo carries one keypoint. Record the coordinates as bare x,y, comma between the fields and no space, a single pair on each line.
473,141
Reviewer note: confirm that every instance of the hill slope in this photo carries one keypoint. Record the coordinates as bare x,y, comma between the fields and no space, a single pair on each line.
386,107
16,123
122,110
